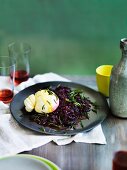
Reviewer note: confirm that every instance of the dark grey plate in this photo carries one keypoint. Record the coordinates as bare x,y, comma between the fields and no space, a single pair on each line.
17,111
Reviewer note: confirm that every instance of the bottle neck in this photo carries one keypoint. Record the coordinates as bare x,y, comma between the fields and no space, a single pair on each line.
123,60
124,53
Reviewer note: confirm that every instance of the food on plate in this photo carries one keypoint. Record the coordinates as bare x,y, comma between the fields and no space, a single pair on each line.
29,103
44,101
64,108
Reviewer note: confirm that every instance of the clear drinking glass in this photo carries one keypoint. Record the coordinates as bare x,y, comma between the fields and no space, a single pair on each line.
7,68
20,53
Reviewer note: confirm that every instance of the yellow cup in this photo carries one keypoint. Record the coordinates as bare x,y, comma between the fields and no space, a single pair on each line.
103,73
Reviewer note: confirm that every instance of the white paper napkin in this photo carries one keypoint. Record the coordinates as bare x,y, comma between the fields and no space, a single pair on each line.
15,139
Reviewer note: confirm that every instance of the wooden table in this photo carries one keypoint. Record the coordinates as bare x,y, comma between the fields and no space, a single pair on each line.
82,156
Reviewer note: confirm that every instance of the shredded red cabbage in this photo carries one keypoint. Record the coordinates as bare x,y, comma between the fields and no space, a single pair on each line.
73,107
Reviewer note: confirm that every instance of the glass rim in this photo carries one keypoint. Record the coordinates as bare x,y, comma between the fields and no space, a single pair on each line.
9,65
28,49
109,67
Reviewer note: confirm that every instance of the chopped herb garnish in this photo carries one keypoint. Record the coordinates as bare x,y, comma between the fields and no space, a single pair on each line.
43,107
55,101
73,94
77,104
95,105
86,114
81,124
82,95
94,110
49,92
42,129
48,102
74,127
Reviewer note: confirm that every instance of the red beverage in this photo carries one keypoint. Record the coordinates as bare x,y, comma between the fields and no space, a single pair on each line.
6,95
120,161
20,76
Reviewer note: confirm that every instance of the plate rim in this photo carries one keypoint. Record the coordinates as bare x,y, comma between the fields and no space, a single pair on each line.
31,158
44,160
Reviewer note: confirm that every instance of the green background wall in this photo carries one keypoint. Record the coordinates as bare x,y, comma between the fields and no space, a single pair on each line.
66,36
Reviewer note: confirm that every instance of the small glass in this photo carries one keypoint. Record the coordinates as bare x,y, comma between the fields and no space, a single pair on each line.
20,53
120,161
103,74
7,68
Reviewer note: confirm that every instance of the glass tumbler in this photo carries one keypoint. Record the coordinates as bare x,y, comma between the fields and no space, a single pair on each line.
120,160
7,68
20,53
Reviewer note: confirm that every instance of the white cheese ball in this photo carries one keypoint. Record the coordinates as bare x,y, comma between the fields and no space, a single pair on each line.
46,101
29,103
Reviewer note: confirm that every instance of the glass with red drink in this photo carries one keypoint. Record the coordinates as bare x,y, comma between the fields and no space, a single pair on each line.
7,68
120,160
20,53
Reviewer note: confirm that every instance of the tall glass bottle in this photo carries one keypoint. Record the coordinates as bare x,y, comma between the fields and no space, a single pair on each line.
118,84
